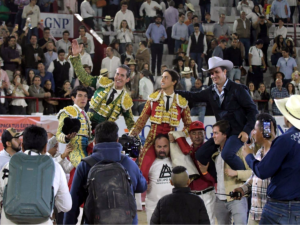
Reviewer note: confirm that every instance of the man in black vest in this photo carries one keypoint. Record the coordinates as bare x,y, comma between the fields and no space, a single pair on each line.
61,70
128,53
108,30
197,46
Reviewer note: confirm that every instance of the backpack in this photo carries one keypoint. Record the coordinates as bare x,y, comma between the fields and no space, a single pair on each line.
109,199
29,196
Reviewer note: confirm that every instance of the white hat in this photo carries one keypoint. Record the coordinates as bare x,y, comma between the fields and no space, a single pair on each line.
215,62
190,6
108,18
290,109
186,70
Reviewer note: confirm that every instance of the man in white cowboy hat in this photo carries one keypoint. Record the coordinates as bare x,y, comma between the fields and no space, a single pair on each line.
108,30
282,165
124,14
231,102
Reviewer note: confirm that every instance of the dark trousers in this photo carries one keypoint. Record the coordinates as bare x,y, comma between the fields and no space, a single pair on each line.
90,22
204,9
148,20
112,10
292,8
231,147
246,42
3,109
17,110
156,53
256,76
284,20
198,59
171,41
79,4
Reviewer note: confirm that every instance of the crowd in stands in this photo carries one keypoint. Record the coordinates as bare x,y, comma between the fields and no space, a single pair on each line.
25,55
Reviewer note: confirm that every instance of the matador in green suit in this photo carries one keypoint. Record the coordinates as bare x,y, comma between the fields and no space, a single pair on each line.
110,98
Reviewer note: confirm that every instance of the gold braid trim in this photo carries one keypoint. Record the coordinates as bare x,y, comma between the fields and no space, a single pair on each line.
126,102
181,101
69,110
104,82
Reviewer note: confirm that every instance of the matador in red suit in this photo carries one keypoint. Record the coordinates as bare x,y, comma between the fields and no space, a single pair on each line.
165,109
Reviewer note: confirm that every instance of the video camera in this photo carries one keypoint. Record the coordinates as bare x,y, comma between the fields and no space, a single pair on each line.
131,145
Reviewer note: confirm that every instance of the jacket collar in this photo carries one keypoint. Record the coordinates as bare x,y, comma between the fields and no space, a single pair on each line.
107,150
181,190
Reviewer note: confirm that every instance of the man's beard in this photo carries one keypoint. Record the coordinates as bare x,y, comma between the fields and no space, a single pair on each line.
157,22
16,149
161,155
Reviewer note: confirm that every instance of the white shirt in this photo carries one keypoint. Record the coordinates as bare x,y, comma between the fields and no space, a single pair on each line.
4,158
190,43
188,84
111,65
86,59
163,6
220,177
280,31
61,44
170,100
145,88
253,17
116,95
71,70
128,16
19,93
257,54
63,200
159,181
86,10
157,82
124,37
246,8
35,17
292,2
149,8
90,37
297,87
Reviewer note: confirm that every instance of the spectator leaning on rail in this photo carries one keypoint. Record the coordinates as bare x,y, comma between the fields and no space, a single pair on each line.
282,165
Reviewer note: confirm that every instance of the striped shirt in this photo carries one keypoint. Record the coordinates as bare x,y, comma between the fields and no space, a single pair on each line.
221,95
258,187
276,93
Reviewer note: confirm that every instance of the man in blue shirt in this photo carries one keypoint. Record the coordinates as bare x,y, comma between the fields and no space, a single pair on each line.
107,148
156,34
287,65
281,9
45,76
282,165
180,32
278,92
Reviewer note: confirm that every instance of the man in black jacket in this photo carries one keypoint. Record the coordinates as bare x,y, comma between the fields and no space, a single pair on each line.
128,53
182,206
231,102
233,54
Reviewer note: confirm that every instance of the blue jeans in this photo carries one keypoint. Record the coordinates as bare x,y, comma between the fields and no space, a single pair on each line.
32,31
234,74
246,42
199,111
231,147
281,213
204,9
178,44
198,59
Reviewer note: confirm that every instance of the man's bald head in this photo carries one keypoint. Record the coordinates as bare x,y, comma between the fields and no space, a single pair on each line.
180,177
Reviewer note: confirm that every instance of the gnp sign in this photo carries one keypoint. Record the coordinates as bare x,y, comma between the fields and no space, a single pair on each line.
58,23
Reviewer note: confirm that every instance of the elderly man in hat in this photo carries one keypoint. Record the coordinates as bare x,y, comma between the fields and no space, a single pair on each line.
187,80
231,102
282,165
156,34
204,185
108,30
11,143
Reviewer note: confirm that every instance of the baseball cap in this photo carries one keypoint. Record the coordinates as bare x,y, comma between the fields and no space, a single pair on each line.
9,134
196,125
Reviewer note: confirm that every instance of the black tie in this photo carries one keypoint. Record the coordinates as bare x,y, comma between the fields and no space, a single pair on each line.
168,103
111,97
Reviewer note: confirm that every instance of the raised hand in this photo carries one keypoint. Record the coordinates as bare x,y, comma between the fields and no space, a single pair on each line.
76,49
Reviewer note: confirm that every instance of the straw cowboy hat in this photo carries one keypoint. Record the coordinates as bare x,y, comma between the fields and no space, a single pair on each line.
186,70
132,62
190,6
108,18
290,109
215,62
104,72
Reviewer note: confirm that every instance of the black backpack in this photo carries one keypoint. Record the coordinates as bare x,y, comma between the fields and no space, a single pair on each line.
109,198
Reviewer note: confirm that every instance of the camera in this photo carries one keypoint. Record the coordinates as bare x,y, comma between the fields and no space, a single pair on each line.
131,145
235,194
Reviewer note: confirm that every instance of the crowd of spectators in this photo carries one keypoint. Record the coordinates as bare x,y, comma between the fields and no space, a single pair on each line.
25,55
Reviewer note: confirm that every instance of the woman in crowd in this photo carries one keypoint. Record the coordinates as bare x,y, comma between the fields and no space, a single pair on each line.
65,92
133,86
18,106
253,17
146,67
296,81
264,95
277,49
290,88
125,35
31,75
194,68
179,66
115,44
49,105
253,93
291,48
